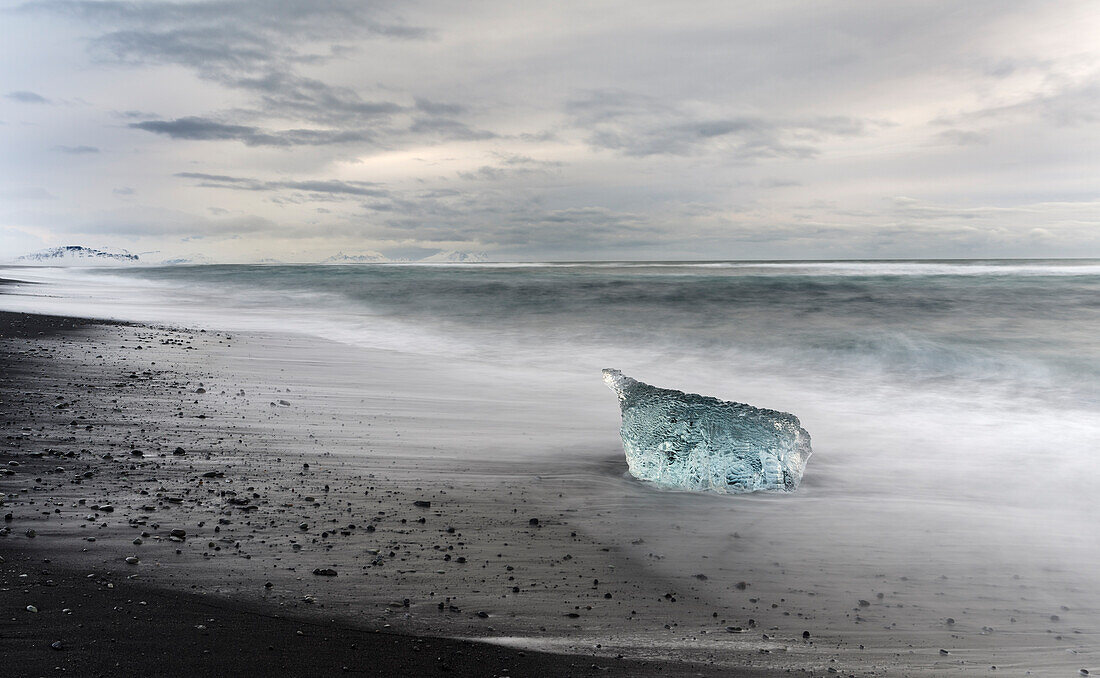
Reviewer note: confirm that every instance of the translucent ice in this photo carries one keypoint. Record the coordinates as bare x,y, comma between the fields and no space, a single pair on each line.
693,442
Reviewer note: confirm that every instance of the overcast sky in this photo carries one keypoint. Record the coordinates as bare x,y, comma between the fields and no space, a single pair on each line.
245,129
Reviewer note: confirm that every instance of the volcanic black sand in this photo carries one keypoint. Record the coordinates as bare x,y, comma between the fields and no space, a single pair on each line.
126,552
105,624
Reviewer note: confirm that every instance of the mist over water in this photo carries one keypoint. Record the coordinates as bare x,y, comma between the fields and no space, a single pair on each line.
982,358
953,406
1021,326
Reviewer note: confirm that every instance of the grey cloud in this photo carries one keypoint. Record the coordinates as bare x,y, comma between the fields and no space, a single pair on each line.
330,187
289,94
219,178
485,172
26,97
203,129
640,126
746,138
449,129
772,182
510,165
209,49
575,228
134,115
253,46
356,188
258,48
509,221
315,20
440,193
381,206
195,128
436,108
596,106
310,137
516,159
77,150
539,137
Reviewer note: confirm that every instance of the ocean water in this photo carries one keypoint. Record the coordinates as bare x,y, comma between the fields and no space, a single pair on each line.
995,363
954,406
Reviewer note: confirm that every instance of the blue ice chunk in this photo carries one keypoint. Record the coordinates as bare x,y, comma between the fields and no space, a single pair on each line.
685,441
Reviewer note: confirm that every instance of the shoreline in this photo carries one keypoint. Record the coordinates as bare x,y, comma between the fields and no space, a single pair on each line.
128,620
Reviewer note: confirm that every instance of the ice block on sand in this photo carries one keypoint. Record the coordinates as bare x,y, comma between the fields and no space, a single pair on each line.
685,441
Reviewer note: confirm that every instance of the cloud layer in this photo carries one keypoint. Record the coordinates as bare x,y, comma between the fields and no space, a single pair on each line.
737,130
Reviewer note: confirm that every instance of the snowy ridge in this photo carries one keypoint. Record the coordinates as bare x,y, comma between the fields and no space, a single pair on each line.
77,255
361,258
188,260
456,257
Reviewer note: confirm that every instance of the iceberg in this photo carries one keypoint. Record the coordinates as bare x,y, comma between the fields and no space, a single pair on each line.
685,441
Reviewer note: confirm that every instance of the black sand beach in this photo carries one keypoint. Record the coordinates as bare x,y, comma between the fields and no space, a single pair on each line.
111,625
95,475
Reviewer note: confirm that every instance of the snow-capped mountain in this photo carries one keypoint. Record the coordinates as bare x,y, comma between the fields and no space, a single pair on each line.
456,257
189,260
78,255
361,258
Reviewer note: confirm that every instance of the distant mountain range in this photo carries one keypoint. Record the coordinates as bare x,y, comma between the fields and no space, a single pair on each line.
361,258
78,255
189,260
456,257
